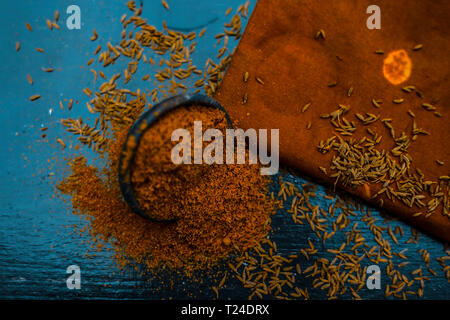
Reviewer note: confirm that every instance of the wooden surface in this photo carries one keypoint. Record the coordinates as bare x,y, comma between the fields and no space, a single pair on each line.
36,239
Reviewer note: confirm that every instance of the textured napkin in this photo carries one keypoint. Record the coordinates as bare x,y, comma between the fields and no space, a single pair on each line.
296,63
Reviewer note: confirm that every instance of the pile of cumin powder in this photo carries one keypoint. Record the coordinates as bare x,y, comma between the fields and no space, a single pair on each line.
219,208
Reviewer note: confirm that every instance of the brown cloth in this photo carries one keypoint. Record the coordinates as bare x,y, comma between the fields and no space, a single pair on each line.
279,47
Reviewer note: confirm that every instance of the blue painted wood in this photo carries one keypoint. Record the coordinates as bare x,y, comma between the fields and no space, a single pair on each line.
36,239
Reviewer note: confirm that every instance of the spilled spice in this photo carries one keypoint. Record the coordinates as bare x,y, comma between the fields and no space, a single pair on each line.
211,224
218,207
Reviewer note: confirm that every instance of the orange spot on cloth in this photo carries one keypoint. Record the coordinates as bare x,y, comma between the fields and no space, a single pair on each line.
397,67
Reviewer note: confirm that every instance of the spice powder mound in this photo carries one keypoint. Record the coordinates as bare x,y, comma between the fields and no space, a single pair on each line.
219,208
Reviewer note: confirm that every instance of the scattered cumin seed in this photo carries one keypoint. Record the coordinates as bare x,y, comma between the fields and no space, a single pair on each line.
320,34
17,46
439,162
28,26
398,101
89,107
428,107
87,92
246,76
408,89
97,50
49,24
379,51
94,36
30,79
305,107
216,291
332,84
34,97
349,92
61,143
165,4
245,98
417,47
376,103
259,80
411,113
222,282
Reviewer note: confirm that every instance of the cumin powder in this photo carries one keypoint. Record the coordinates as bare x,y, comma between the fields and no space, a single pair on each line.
220,208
